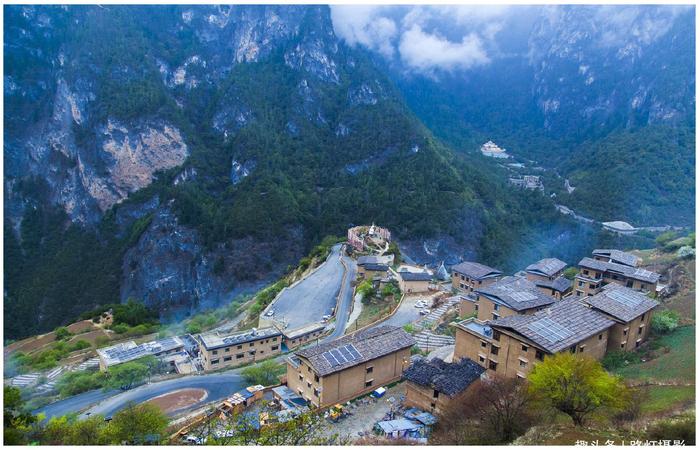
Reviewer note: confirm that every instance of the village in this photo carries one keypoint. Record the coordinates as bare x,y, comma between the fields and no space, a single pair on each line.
393,375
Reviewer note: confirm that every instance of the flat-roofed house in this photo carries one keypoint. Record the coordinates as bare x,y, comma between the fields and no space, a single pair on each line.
594,274
511,346
616,256
505,297
299,336
338,371
130,351
414,282
546,274
631,310
222,350
469,276
432,385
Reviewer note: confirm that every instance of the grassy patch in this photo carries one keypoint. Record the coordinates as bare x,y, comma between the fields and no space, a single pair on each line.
373,311
664,398
673,358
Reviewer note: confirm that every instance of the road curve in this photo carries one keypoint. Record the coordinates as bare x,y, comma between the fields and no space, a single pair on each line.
345,298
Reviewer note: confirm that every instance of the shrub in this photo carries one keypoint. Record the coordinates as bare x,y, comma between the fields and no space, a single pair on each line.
79,345
570,273
266,373
120,328
617,359
664,322
62,333
409,328
665,238
686,252
678,428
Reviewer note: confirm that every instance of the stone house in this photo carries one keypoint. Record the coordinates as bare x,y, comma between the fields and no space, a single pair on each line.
223,350
338,371
468,276
505,297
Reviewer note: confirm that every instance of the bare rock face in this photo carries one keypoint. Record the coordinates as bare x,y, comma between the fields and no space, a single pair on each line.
170,269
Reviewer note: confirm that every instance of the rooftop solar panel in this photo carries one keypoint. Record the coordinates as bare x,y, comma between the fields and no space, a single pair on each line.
625,298
550,330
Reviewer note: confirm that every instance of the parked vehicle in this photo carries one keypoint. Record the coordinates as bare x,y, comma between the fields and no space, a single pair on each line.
270,313
424,312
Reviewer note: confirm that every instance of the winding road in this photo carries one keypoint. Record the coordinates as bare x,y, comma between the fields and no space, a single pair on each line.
330,285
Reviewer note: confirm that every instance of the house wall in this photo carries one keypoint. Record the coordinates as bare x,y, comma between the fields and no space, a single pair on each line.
413,286
467,284
627,337
425,398
370,274
511,356
346,384
583,286
237,354
551,292
300,340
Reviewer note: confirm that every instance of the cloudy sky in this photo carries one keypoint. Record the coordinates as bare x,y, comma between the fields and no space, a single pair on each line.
461,37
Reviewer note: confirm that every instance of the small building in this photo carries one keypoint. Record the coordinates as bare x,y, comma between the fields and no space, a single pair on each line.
223,350
617,256
492,150
513,345
338,371
432,385
631,310
595,273
299,336
507,296
619,227
469,276
372,271
546,274
401,428
531,182
414,282
242,399
129,351
363,236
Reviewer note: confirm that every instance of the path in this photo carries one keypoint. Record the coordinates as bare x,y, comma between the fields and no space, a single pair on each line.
345,299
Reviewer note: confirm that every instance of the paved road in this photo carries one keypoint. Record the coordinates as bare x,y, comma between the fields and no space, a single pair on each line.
315,296
407,312
74,404
346,298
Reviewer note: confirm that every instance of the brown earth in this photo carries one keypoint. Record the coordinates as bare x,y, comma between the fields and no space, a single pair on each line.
176,400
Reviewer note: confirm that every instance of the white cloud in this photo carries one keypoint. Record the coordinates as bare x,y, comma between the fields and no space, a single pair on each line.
364,25
425,51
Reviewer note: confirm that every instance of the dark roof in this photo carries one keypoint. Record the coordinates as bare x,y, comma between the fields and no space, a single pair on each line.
559,284
547,267
447,378
415,276
560,326
621,302
636,273
516,293
376,267
476,271
356,348
618,256
374,259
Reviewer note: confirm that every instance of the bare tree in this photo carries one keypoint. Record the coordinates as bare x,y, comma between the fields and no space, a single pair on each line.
493,411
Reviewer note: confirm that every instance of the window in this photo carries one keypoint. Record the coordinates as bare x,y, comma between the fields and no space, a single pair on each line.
493,365
274,347
251,344
252,352
622,345
262,351
316,392
539,355
368,383
476,306
215,361
316,378
436,394
432,405
301,377
308,384
524,348
215,352
496,306
496,335
483,344
600,337
580,283
572,349
369,369
274,339
227,358
579,293
643,316
591,285
239,356
228,349
523,363
624,332
239,347
494,350
637,344
581,348
585,272
495,316
641,330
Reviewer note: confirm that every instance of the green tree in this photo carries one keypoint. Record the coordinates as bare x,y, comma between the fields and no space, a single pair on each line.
664,322
576,385
266,373
17,421
137,424
126,375
570,273
366,290
62,333
665,238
